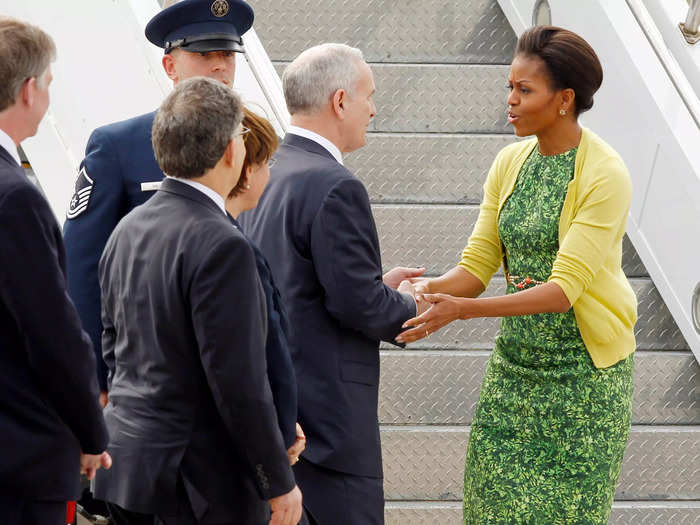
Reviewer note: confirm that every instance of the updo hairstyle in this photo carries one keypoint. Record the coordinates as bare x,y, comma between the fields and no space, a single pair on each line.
569,59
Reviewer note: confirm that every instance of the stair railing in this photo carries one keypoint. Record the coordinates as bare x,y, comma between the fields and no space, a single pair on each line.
690,27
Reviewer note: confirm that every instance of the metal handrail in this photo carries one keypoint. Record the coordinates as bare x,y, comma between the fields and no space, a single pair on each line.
674,71
690,27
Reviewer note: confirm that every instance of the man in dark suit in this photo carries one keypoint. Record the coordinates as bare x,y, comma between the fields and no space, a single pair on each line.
194,432
119,171
315,226
51,426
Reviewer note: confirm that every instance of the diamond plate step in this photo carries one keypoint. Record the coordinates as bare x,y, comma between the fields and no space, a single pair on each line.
623,513
426,463
439,98
426,168
655,328
442,388
434,237
450,31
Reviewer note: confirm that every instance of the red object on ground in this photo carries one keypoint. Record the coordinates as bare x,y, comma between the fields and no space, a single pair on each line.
70,512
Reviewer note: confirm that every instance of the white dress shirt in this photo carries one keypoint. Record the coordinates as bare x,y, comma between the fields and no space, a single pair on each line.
9,144
318,139
218,199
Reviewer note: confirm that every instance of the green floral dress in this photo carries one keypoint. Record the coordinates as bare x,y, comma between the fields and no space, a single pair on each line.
550,429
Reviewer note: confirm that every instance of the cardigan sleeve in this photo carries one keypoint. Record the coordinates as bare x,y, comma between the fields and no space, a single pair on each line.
482,255
597,225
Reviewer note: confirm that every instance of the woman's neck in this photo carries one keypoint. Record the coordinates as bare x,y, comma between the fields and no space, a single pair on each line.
235,207
559,138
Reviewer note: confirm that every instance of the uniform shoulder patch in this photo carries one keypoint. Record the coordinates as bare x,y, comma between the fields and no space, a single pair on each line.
81,198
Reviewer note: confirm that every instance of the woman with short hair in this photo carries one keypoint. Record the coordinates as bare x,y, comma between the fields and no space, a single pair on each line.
260,144
553,417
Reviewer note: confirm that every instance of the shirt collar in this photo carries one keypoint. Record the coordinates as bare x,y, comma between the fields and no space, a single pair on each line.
218,199
9,144
319,139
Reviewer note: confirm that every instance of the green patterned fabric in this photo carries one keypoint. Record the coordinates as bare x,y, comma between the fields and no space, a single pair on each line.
550,429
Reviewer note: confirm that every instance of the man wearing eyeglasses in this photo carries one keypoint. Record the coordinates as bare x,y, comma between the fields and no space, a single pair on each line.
193,426
119,171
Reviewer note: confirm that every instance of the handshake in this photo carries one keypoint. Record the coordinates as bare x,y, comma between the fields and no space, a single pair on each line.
411,282
433,310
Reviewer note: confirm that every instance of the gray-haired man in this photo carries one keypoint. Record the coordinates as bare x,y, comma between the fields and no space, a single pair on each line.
193,426
315,226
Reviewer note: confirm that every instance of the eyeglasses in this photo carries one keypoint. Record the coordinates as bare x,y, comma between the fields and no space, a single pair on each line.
243,131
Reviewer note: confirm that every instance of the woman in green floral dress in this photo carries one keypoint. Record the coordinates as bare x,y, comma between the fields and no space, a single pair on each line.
553,416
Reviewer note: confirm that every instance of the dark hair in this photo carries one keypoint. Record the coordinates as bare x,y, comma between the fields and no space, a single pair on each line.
260,144
194,125
569,59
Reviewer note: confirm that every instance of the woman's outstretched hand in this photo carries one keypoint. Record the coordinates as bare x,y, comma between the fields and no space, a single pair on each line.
443,310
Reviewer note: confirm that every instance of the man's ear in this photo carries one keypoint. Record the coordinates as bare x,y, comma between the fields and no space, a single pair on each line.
338,103
26,93
230,154
169,66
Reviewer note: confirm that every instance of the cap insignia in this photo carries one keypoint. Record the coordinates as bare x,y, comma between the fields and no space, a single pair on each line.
219,8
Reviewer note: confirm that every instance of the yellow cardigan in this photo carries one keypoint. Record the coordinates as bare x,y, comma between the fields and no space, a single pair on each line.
588,266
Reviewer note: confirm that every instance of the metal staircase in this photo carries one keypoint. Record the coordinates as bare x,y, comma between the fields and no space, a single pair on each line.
440,69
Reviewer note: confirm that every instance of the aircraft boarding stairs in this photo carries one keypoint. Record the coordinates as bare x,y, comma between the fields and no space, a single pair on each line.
440,67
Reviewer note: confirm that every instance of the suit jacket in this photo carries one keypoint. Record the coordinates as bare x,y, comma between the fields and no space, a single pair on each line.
315,226
184,333
48,390
280,370
118,159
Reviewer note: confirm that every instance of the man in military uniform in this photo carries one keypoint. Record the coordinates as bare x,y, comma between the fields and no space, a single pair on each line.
119,171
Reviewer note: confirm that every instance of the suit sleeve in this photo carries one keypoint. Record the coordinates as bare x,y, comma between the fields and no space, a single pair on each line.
280,369
86,233
345,252
34,291
229,317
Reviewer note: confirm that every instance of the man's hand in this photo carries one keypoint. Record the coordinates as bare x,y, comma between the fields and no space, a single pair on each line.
91,463
103,399
298,447
286,509
393,278
409,288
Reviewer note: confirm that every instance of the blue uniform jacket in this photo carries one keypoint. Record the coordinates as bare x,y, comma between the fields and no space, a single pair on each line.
118,160
280,371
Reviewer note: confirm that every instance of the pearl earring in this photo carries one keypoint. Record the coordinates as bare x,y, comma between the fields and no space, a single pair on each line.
247,186
562,112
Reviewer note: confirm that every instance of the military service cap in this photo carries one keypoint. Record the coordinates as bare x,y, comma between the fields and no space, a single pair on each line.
201,26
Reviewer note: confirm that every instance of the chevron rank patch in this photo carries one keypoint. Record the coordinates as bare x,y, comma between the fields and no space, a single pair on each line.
81,198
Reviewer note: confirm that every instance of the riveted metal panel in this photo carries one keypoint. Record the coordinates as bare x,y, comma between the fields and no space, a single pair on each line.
442,388
425,168
434,237
655,328
439,99
427,463
411,31
623,513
